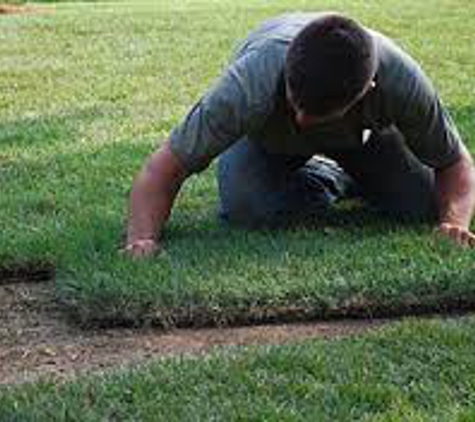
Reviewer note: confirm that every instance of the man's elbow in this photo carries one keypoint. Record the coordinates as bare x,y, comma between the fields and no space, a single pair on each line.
461,173
162,171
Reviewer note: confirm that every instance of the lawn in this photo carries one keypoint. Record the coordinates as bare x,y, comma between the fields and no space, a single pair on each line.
87,92
415,371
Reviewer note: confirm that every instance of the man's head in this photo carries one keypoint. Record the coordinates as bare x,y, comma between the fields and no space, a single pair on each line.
329,67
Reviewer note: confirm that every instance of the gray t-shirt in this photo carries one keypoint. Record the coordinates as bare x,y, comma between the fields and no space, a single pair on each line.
249,101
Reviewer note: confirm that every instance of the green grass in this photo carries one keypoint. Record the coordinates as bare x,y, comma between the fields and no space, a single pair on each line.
422,371
89,90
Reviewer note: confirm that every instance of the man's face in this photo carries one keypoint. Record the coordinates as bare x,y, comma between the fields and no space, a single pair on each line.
306,121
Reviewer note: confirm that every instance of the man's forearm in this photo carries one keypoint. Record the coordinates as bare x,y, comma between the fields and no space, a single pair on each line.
153,194
456,192
150,207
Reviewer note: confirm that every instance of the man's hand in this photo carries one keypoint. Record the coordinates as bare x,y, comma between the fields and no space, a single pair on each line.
455,187
141,248
458,234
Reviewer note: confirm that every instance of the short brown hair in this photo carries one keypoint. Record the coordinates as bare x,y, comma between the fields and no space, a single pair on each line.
329,64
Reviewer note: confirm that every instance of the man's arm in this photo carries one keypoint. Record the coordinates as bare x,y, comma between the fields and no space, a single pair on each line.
151,200
455,186
237,103
411,101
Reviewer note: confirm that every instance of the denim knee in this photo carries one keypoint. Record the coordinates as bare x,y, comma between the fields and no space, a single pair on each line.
248,209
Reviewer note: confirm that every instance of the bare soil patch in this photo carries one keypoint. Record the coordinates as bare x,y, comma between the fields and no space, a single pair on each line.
37,341
14,9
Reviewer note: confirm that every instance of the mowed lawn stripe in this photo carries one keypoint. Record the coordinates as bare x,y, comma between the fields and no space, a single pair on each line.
417,371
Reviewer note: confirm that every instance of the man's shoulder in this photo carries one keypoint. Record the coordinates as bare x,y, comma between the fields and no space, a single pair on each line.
261,56
277,32
396,67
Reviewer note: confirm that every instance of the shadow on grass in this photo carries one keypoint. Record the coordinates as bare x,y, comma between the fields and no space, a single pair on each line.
348,216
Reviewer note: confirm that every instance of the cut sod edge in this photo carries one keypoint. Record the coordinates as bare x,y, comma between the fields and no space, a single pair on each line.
204,317
200,316
26,272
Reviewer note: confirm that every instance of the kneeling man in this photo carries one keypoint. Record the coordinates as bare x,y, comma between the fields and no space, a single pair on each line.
313,108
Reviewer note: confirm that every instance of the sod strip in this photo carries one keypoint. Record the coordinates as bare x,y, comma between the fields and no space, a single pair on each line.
414,371
245,277
87,92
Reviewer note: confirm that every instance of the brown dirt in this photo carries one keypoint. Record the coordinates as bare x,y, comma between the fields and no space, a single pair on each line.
12,9
36,341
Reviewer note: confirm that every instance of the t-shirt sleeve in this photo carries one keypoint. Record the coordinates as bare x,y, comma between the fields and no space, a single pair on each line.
417,111
233,107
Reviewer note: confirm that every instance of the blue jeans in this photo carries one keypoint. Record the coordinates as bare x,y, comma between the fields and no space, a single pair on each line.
260,189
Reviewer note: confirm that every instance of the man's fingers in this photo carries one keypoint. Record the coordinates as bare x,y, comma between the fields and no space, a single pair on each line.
458,234
469,239
463,238
143,251
141,248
